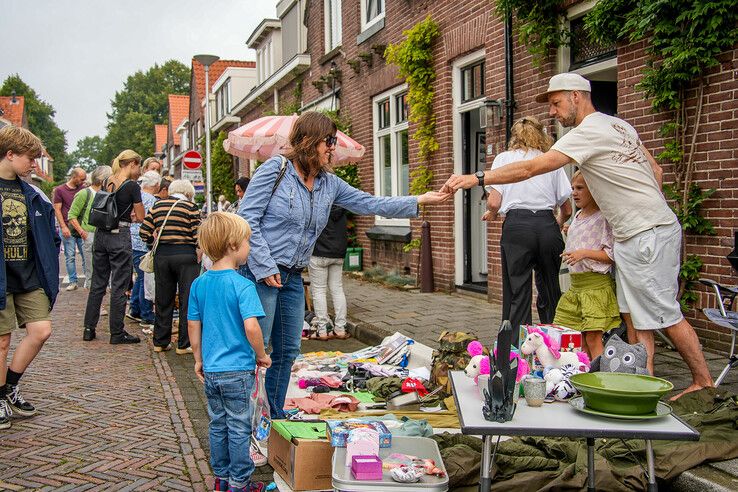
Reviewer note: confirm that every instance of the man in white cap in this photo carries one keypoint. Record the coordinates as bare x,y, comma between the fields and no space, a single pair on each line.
625,180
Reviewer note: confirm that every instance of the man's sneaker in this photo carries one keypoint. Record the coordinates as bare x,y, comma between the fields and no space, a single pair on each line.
133,317
71,287
5,413
220,485
17,403
124,338
256,455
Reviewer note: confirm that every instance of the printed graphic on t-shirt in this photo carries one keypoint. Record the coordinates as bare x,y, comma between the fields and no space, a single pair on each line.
15,226
630,152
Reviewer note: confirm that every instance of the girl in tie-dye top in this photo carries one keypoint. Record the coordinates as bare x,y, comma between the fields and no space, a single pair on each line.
590,305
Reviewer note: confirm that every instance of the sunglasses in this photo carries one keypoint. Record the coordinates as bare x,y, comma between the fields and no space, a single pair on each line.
331,140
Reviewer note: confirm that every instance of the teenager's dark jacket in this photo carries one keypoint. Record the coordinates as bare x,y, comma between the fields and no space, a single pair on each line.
46,243
333,240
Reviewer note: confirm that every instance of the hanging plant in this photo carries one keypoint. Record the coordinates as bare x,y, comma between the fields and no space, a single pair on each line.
319,84
355,65
379,49
367,57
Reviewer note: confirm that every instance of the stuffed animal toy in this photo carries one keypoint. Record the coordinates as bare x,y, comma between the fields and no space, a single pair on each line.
620,356
479,363
548,353
557,380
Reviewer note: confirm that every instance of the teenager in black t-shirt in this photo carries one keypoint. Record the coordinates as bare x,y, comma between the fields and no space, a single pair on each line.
112,256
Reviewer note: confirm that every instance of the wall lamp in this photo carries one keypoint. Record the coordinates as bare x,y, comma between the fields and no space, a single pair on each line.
493,108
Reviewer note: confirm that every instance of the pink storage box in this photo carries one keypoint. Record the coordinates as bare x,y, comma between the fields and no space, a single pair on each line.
366,467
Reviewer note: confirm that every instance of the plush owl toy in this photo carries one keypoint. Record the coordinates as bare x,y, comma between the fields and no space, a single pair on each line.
620,356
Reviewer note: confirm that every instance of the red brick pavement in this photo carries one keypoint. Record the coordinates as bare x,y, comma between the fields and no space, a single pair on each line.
110,416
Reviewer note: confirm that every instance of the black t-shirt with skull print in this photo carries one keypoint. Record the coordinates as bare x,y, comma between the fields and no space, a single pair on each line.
20,265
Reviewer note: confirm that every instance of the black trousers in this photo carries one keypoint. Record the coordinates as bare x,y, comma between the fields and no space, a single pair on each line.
530,240
111,260
172,271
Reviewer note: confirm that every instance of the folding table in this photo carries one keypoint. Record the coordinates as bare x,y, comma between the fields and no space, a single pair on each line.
559,419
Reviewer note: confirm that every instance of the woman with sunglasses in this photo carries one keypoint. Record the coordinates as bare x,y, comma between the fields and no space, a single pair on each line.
531,236
286,215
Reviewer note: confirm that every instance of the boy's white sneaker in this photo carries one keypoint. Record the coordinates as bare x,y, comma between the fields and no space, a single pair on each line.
256,455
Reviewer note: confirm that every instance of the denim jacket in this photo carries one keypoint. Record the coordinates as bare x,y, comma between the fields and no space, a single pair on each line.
286,225
46,243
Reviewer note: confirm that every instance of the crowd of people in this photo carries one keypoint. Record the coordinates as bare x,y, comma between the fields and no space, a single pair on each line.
292,215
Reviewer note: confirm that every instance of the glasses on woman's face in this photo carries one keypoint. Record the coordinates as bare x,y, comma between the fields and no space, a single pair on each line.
331,140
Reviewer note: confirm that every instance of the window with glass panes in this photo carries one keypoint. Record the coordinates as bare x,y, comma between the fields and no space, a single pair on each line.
371,12
333,28
392,150
472,82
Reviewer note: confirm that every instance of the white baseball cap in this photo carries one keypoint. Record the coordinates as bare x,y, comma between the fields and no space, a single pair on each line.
565,82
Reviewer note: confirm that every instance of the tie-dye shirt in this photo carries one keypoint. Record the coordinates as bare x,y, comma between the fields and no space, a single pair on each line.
591,232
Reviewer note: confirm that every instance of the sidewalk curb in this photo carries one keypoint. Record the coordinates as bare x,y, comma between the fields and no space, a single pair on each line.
365,332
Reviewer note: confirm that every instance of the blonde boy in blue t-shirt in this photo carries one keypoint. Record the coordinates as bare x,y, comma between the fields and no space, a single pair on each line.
227,344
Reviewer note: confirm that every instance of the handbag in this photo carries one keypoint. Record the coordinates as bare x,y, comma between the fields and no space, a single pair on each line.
147,261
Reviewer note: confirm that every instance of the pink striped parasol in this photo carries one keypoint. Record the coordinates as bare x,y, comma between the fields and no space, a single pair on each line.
268,136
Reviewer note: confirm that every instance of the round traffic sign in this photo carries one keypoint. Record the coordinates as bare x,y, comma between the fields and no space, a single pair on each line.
192,159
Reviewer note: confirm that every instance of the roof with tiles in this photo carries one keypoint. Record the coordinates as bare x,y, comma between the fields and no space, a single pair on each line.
179,110
12,109
160,136
216,70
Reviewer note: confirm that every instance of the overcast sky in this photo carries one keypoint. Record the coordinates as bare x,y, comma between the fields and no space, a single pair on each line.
77,53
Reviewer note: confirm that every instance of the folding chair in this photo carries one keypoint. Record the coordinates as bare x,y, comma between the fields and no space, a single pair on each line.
724,316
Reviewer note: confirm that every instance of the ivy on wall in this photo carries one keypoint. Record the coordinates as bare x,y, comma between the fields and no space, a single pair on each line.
539,23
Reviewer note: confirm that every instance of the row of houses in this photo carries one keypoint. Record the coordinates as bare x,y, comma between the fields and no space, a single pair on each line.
13,113
328,55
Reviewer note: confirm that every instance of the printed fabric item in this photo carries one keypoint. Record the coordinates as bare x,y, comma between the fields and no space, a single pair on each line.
318,401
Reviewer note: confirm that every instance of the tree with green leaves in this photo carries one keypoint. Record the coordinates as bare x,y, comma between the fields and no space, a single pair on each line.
142,103
88,153
40,115
222,169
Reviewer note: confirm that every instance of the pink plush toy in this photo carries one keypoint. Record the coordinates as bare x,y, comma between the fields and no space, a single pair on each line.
479,363
548,353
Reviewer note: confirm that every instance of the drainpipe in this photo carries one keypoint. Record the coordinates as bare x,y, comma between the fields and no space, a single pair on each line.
509,93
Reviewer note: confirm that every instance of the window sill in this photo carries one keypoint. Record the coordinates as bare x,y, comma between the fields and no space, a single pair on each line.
398,234
370,31
330,55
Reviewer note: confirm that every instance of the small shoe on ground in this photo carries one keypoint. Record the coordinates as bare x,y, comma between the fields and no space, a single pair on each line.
163,349
18,405
71,287
220,485
256,455
89,334
183,351
103,311
134,317
124,338
5,413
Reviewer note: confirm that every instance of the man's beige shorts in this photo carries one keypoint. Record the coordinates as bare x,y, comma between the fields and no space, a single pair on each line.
21,309
647,276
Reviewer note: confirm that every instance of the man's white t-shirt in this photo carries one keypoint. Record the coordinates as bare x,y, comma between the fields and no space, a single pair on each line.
618,174
542,192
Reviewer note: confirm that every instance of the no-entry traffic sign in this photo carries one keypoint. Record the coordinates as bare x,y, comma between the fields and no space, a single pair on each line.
192,159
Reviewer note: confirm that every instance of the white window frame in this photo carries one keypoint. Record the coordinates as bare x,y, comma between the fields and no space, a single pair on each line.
367,23
393,130
331,21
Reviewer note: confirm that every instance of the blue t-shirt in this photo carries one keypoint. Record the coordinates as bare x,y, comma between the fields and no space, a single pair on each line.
222,300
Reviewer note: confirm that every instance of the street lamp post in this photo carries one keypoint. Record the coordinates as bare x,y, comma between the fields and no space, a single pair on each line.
206,61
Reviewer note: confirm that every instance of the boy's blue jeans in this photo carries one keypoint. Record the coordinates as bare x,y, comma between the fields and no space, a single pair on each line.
229,407
285,313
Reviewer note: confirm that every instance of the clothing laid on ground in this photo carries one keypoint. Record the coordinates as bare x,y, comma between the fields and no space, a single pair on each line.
321,401
65,195
222,300
531,240
618,174
30,216
18,251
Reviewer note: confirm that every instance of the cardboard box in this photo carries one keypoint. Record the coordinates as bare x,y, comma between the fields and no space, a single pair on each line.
338,430
305,464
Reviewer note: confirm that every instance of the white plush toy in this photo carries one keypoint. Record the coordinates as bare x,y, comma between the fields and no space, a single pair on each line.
548,352
557,381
